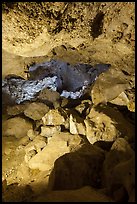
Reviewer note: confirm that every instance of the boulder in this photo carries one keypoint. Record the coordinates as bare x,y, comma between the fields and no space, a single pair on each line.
78,168
36,110
16,126
76,125
48,131
54,117
57,145
105,123
119,170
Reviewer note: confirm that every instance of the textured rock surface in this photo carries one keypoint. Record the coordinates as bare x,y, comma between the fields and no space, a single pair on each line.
107,123
45,159
36,111
53,117
77,169
10,127
119,168
79,33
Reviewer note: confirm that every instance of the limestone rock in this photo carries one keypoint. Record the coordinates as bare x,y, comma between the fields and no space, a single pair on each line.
84,107
50,96
131,105
106,123
119,167
60,143
32,134
73,127
123,175
24,141
16,126
37,144
48,131
45,159
76,127
16,109
77,169
34,147
108,86
36,110
53,117
100,127
121,100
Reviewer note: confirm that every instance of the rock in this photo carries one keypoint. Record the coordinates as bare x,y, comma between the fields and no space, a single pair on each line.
23,172
131,106
74,141
73,128
16,126
120,151
37,144
53,117
121,100
106,123
19,192
77,169
36,110
108,86
59,144
16,109
50,96
48,131
123,175
24,141
100,127
45,159
119,168
34,147
84,107
32,134
86,193
76,127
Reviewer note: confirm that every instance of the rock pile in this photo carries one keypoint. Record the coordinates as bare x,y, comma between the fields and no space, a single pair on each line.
73,151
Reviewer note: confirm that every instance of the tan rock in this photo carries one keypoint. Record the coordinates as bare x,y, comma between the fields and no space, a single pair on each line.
16,126
51,96
32,134
76,127
53,117
131,106
84,106
106,123
37,144
24,141
119,167
45,159
121,100
17,109
36,110
48,131
34,147
108,86
59,144
100,127
73,126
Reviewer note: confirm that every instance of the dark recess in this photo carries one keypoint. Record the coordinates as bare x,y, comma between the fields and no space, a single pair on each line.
97,25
